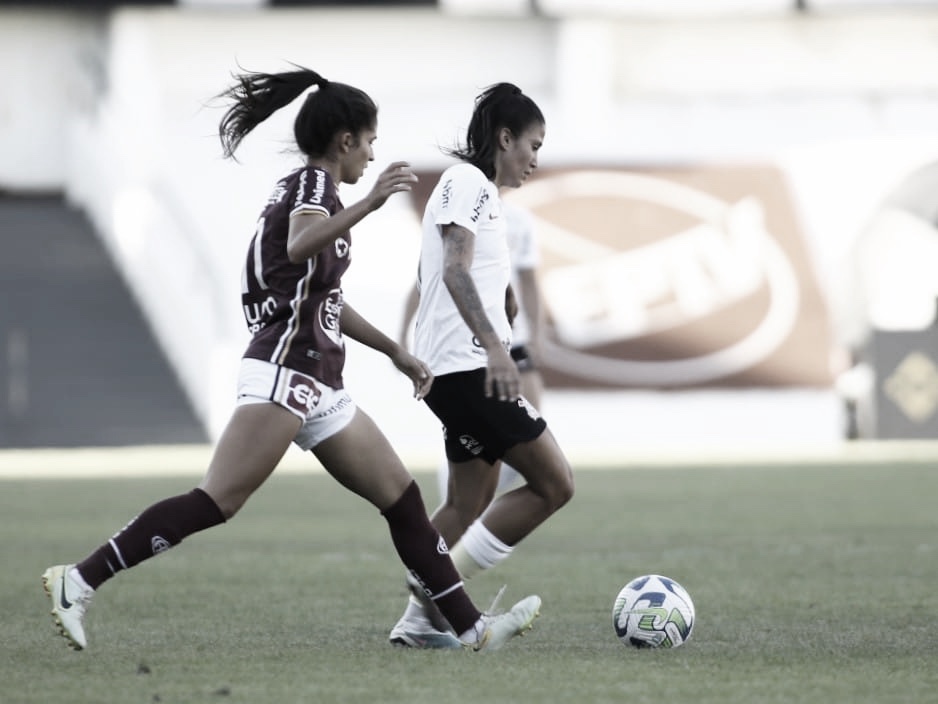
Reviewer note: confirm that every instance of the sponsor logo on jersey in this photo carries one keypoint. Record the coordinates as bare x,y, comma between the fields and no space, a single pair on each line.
478,344
159,544
341,247
330,311
280,190
319,188
257,313
300,190
447,193
441,547
481,200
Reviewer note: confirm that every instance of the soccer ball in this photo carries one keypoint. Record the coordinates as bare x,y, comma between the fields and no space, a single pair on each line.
653,612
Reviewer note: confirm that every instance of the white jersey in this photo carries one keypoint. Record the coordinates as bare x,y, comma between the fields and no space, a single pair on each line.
524,253
465,197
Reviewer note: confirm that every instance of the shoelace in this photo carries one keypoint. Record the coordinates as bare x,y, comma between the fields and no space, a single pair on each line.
491,611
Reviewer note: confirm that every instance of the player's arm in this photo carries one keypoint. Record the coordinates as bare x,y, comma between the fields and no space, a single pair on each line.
502,378
533,308
511,304
310,231
360,330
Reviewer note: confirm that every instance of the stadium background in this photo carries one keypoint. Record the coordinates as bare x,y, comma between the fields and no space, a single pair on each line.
780,153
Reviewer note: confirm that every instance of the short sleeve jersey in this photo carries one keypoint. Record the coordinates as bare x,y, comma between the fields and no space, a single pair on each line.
522,245
293,309
465,197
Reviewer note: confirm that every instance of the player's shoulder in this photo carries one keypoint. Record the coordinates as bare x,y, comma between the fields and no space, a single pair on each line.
464,172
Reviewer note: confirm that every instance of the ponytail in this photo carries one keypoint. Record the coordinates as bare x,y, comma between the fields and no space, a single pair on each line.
499,105
256,97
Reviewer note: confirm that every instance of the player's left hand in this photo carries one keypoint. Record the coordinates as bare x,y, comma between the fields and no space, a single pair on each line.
416,370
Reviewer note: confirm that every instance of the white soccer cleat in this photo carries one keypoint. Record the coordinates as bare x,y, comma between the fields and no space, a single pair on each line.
69,603
419,632
500,628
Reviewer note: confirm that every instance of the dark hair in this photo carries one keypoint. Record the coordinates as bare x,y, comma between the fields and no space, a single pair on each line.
499,105
331,108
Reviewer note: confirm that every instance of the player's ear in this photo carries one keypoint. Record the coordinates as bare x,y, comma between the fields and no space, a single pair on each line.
346,142
504,138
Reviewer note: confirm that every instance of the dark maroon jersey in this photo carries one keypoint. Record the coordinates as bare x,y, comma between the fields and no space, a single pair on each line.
293,310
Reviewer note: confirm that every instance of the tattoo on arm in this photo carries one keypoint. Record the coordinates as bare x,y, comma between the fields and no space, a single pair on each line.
457,258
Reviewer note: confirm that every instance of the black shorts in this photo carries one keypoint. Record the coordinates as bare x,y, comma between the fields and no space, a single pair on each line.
476,426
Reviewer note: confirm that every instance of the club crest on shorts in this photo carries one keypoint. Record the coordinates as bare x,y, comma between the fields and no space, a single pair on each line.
472,445
302,393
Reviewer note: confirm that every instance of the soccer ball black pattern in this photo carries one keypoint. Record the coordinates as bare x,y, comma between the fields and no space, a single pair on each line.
653,611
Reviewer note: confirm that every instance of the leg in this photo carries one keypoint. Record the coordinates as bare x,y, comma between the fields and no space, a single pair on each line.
514,515
251,446
532,387
361,459
249,449
470,489
240,464
549,485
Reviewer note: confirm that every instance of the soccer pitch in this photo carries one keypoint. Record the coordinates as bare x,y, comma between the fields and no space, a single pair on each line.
812,583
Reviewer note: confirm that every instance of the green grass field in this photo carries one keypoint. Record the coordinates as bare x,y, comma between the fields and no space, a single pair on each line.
812,584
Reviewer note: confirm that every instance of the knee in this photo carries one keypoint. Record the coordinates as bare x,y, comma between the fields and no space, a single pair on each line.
559,491
228,502
563,491
464,512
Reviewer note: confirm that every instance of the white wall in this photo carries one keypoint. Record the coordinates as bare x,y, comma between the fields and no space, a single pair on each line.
51,68
846,104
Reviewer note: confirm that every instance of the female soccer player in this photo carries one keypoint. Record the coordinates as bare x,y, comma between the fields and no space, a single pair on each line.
463,333
526,323
290,385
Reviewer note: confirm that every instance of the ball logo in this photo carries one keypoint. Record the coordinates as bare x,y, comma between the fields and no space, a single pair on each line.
652,282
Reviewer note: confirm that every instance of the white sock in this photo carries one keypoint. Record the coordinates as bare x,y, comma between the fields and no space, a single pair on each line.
478,550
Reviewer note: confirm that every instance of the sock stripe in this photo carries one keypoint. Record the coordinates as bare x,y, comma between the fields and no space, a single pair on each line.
443,593
117,553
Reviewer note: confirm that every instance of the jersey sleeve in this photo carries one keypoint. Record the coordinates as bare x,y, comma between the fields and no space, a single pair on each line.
315,193
464,198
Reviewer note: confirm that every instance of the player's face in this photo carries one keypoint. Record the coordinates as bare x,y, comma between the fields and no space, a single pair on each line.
518,157
359,154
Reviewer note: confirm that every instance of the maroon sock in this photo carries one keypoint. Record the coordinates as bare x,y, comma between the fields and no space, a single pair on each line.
156,530
425,554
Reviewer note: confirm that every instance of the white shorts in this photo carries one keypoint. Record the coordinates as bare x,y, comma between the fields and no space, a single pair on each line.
324,410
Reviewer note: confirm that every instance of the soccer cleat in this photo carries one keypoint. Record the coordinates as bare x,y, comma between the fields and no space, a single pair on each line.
420,633
69,603
498,629
431,612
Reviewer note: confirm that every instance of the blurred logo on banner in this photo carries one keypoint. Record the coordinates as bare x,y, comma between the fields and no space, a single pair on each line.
677,277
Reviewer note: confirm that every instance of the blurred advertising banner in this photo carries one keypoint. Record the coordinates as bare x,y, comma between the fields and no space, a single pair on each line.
676,277
906,393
